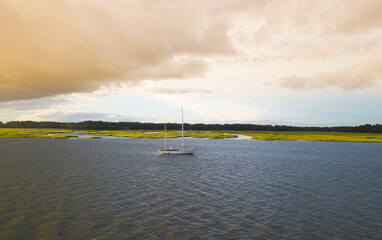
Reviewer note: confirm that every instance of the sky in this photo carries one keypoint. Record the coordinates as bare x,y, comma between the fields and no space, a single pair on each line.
285,62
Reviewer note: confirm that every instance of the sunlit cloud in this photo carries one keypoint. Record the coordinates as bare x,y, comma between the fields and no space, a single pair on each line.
360,76
35,104
60,47
175,90
68,58
79,116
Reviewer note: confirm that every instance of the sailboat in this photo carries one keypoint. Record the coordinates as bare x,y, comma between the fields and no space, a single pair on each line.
175,151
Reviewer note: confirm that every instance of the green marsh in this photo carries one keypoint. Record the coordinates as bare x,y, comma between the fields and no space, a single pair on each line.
170,134
35,133
311,136
255,135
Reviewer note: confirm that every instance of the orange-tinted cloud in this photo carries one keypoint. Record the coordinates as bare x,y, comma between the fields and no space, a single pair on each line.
176,90
316,31
360,76
50,47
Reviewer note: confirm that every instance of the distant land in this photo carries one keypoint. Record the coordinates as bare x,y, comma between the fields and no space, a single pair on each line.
101,125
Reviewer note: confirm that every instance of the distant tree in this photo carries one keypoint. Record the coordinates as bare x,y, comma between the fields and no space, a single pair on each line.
100,125
31,124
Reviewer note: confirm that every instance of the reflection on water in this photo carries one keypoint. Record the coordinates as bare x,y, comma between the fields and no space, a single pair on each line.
120,189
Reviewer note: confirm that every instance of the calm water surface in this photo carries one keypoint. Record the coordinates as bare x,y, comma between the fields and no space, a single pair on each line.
231,189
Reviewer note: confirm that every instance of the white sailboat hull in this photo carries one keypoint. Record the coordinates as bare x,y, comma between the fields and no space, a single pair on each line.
173,151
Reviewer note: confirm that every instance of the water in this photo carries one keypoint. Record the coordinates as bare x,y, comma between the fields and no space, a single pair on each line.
231,189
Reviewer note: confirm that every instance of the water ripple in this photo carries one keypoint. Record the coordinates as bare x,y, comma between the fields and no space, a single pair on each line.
120,189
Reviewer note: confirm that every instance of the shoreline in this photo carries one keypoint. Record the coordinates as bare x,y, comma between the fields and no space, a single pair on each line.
218,134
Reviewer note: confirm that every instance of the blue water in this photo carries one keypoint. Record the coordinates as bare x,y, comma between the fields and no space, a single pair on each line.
231,189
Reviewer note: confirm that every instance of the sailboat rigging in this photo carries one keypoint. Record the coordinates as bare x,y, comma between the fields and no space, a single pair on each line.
175,151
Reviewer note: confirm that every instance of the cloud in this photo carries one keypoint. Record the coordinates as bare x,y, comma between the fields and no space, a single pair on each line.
176,90
316,32
353,16
332,17
34,104
360,76
51,47
299,29
81,116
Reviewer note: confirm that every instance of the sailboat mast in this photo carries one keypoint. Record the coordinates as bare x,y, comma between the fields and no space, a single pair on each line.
165,137
182,132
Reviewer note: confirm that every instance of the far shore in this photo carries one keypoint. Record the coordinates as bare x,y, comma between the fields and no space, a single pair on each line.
240,135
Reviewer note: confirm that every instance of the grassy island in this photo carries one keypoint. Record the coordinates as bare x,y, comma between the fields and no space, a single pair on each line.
255,135
311,136
170,134
95,137
36,133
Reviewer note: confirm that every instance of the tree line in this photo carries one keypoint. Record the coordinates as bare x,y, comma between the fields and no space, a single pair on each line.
100,125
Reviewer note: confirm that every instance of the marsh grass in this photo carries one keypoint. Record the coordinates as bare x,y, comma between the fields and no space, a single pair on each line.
94,137
170,134
87,132
312,136
34,133
255,135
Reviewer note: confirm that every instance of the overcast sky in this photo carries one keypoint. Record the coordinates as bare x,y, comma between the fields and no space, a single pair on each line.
293,62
